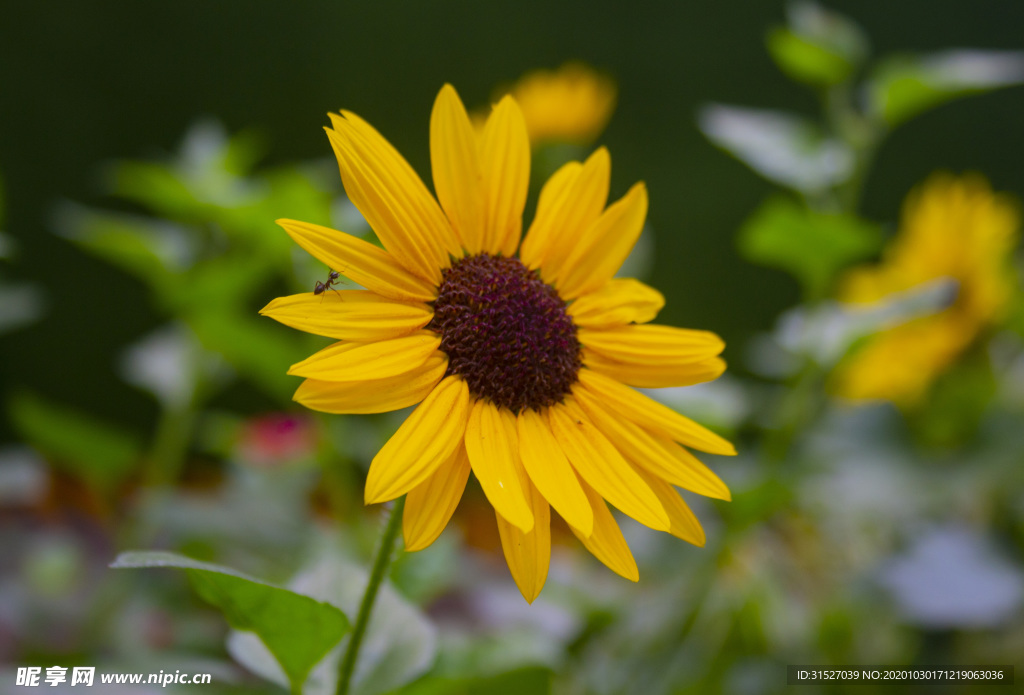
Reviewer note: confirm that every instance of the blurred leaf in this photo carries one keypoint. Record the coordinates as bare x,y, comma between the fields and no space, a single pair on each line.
243,151
255,347
534,680
806,61
95,451
956,402
205,177
399,646
158,188
151,250
300,194
19,305
812,246
825,332
819,47
779,146
296,629
219,284
903,87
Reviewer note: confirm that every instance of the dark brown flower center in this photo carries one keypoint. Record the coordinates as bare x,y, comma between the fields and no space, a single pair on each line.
506,333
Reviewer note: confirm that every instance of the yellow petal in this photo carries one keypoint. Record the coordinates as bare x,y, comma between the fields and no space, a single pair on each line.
606,542
376,395
393,200
550,471
456,165
363,361
597,256
684,522
358,315
425,440
552,198
653,416
617,302
430,505
602,466
652,344
655,375
493,448
505,161
528,554
690,472
361,261
575,202
371,133
660,456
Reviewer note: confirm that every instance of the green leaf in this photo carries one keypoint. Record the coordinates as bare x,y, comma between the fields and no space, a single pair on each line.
96,451
806,61
812,246
818,47
297,629
905,86
399,646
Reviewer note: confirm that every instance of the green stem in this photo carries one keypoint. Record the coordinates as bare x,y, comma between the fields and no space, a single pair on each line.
170,445
796,409
380,567
861,133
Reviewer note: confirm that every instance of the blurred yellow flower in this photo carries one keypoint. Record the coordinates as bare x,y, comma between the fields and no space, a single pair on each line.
521,364
952,227
571,104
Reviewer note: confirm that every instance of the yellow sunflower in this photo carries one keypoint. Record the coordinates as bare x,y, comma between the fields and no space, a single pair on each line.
952,227
521,357
571,104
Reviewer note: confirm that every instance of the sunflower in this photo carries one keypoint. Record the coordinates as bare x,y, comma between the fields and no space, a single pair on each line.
520,356
571,104
954,228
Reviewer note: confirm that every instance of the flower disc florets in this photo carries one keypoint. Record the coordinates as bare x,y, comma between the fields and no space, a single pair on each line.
506,333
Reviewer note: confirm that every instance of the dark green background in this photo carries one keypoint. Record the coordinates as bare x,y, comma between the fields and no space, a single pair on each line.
82,83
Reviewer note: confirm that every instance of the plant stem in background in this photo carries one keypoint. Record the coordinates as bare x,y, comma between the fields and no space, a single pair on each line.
380,567
800,404
173,435
860,133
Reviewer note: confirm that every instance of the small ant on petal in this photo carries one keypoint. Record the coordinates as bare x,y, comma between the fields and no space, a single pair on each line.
322,287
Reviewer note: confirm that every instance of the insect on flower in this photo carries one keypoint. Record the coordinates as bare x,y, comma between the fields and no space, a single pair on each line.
321,287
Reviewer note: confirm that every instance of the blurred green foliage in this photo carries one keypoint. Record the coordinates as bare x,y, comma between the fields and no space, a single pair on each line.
902,87
817,47
95,451
813,246
211,250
